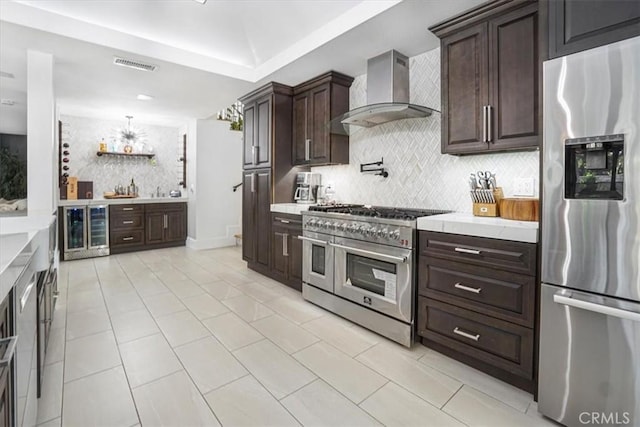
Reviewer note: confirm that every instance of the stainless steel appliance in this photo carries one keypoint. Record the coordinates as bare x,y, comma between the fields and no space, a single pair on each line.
359,262
590,299
307,187
86,231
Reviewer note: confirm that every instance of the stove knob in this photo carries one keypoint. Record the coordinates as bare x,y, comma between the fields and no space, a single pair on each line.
362,230
383,233
395,235
333,226
352,228
342,227
371,232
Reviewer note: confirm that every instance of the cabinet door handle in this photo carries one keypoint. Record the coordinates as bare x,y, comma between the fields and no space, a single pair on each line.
253,155
253,182
467,288
127,209
489,123
285,245
127,238
484,123
457,331
127,222
166,220
468,251
307,150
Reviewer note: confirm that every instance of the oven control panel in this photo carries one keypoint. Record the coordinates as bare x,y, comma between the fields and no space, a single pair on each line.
388,234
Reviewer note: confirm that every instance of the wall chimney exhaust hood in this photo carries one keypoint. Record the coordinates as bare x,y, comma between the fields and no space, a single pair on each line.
387,96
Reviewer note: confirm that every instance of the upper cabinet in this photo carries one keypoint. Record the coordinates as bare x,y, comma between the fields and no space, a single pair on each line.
490,78
266,111
579,25
315,103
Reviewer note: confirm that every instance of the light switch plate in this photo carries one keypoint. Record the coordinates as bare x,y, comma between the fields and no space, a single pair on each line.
525,187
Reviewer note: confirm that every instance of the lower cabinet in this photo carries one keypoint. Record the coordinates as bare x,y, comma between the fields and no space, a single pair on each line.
476,303
147,226
286,249
6,377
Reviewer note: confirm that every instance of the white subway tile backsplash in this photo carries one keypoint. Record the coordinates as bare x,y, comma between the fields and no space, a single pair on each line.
419,175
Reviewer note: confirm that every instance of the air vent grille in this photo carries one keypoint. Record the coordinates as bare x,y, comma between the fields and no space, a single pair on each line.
123,62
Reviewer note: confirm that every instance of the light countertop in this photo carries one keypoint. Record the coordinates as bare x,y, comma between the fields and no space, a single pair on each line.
494,228
290,208
16,253
137,200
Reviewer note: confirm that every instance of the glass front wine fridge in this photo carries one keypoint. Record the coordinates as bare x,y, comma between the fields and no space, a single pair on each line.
86,231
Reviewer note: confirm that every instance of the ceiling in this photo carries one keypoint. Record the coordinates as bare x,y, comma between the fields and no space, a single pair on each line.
206,55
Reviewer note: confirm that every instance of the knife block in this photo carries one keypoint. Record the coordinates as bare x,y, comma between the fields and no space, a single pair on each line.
489,209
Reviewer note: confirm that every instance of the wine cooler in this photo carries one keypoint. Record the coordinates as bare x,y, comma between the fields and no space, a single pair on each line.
86,231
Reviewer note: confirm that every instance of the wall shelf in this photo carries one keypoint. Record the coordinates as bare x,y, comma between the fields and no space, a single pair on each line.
116,153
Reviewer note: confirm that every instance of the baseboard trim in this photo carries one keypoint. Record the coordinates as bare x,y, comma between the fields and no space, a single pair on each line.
219,242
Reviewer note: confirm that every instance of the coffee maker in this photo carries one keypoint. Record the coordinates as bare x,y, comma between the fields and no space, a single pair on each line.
307,187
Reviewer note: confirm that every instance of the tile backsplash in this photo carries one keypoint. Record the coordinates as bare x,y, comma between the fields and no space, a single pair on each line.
84,134
419,175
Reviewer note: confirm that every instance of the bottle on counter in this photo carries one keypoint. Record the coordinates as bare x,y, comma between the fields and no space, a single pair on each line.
103,146
134,189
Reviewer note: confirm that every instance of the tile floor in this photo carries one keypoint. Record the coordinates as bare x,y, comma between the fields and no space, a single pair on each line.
177,337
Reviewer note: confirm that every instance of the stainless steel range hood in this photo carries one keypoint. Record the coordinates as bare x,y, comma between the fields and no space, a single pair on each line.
387,96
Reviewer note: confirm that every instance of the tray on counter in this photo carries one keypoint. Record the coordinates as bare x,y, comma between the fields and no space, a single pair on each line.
120,196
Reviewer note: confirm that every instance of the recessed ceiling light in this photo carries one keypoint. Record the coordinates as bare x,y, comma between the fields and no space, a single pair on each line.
200,1
7,102
143,97
7,75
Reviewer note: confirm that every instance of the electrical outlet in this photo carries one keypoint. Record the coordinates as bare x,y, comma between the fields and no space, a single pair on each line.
525,187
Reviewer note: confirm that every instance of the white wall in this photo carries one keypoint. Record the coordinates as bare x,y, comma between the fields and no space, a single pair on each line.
40,134
216,164
419,175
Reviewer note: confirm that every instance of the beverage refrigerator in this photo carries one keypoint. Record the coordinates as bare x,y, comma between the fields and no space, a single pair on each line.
86,231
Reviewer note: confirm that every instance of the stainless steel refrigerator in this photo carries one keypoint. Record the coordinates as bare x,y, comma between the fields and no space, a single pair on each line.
589,370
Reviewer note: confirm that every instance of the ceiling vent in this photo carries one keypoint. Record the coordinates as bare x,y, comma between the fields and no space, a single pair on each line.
123,62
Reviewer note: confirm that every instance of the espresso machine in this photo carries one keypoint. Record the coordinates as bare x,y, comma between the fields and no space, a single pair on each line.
307,187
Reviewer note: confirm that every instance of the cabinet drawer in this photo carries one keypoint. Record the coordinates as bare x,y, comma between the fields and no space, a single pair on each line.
127,238
501,294
496,342
128,209
164,207
492,253
286,220
127,222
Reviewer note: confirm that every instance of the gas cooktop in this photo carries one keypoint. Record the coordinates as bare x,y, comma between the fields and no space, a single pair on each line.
378,211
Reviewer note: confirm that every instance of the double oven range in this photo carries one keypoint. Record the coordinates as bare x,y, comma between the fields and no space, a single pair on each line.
359,262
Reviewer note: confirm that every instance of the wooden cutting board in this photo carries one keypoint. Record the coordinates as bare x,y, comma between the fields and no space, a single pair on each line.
520,209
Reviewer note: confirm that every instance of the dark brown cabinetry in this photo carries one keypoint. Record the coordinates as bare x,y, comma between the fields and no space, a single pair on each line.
476,303
286,249
490,78
147,226
257,135
315,103
576,25
256,216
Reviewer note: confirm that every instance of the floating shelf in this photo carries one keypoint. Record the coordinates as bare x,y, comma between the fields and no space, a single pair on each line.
116,153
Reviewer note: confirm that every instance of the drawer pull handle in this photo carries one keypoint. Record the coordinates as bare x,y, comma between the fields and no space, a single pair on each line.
127,209
284,221
457,331
127,222
127,238
467,288
467,251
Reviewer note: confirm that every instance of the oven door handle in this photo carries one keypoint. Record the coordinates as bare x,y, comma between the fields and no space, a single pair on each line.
401,259
10,351
309,239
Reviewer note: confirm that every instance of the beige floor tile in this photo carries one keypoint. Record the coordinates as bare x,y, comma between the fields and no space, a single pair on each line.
50,402
85,300
416,351
246,403
500,390
123,302
103,399
296,311
149,286
284,333
163,304
232,331
247,308
60,312
318,404
87,322
276,370
184,288
259,291
90,354
394,406
477,409
181,328
133,325
345,374
52,423
209,364
112,287
532,412
426,382
172,401
147,359
339,333
55,347
232,277
199,275
221,290
205,306
167,272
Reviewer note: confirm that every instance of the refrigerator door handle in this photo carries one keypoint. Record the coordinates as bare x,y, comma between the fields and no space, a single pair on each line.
574,300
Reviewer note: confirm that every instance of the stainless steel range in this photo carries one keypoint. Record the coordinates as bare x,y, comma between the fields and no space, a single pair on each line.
358,262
